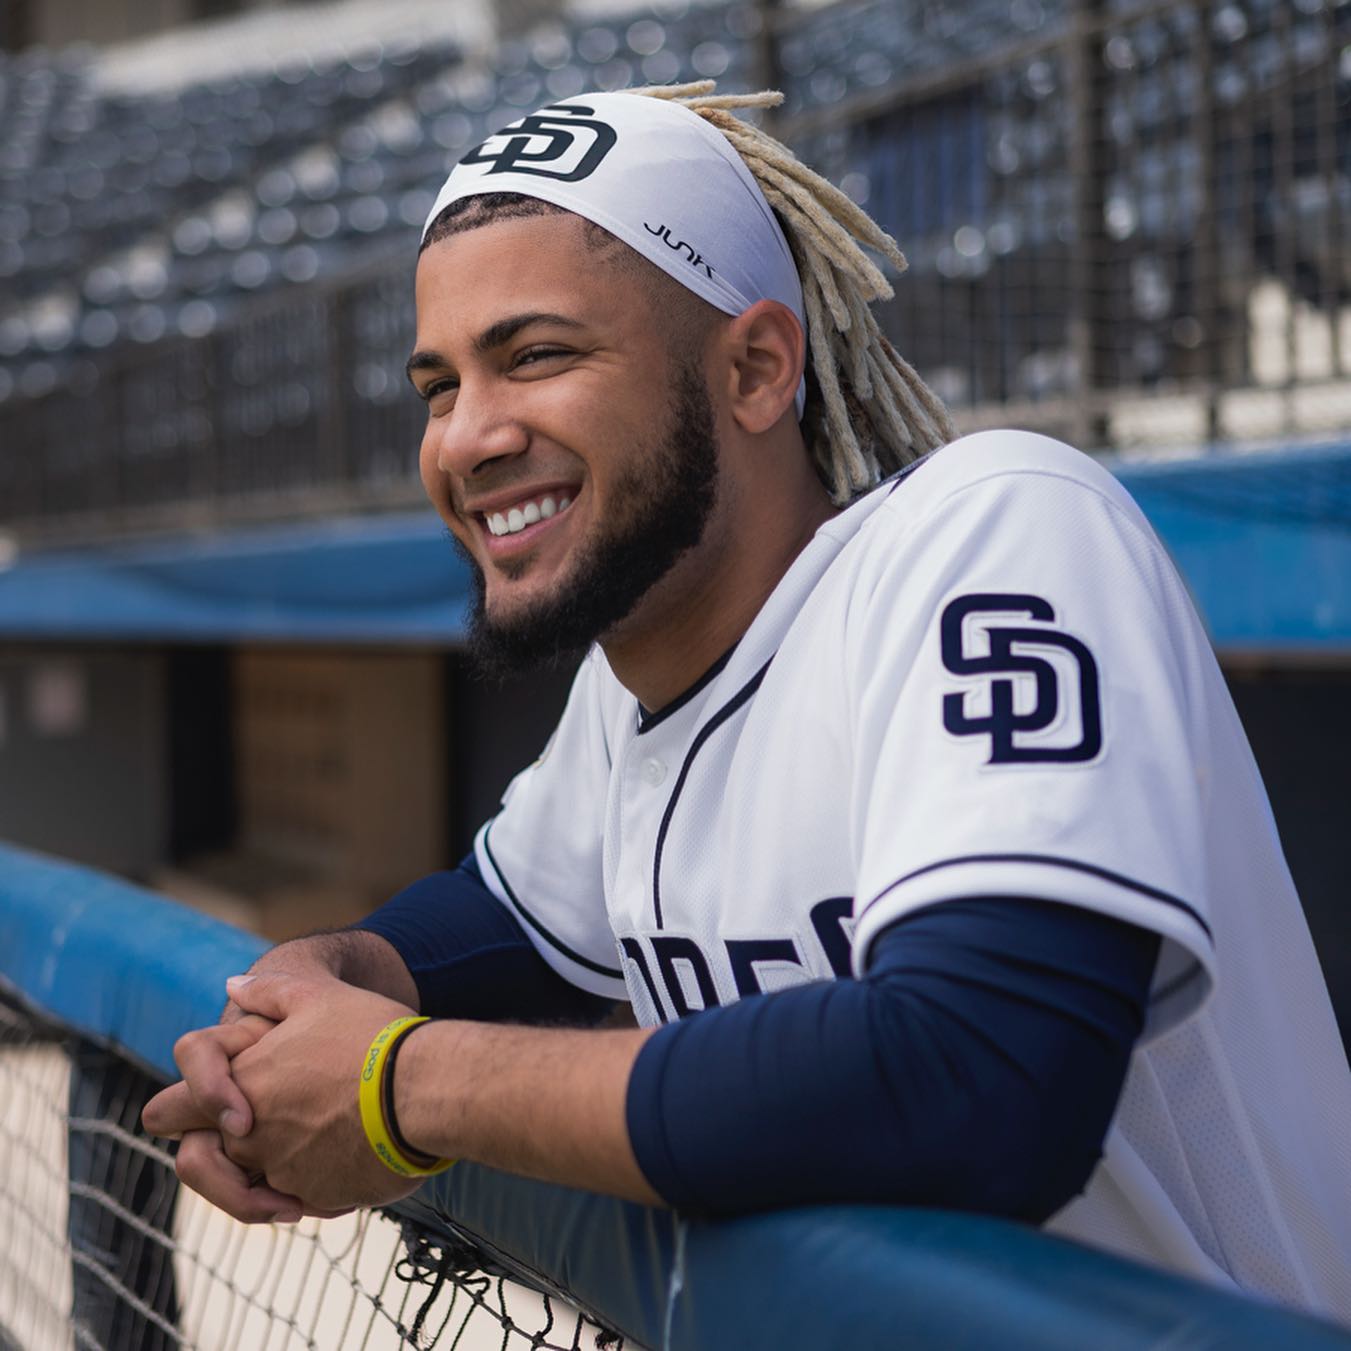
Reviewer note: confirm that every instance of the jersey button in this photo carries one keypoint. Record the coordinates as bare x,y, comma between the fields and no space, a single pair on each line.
653,771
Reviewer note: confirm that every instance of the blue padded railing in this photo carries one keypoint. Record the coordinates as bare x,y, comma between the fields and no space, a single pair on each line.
130,971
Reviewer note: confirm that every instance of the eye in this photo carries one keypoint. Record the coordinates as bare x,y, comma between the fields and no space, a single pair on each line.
436,388
532,356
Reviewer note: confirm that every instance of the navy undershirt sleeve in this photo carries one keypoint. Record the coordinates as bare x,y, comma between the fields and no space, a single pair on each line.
470,958
976,1066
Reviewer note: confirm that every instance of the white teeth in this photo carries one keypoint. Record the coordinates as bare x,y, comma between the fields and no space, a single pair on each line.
531,513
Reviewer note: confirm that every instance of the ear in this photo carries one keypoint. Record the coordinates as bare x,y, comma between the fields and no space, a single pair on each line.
767,349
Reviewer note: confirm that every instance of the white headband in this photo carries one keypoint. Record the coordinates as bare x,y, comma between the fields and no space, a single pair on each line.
653,174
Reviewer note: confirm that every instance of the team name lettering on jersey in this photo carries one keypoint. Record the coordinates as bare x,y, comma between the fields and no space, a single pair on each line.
678,974
1008,728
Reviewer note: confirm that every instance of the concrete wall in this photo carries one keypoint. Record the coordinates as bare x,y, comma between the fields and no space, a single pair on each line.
83,765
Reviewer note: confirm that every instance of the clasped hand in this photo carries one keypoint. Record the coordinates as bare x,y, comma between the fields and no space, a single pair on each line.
267,1110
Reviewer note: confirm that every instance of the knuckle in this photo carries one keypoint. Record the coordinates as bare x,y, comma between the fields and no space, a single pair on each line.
213,1088
204,1098
188,1166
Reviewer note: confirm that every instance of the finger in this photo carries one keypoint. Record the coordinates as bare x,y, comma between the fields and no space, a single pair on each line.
172,1111
203,1057
232,1039
253,1025
202,1165
249,1161
232,1013
240,1151
275,995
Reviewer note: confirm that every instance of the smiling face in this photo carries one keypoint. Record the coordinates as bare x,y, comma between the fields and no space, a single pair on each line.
571,452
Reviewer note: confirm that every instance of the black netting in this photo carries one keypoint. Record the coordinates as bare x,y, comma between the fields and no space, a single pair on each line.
100,1248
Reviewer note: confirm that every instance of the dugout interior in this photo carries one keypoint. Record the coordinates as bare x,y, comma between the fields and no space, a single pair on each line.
288,789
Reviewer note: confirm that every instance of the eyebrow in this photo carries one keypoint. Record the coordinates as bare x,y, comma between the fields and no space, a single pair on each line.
495,335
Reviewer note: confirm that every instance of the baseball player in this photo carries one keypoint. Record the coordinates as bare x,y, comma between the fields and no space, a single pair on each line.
898,795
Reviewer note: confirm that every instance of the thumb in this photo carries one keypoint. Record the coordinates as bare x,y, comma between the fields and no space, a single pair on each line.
273,994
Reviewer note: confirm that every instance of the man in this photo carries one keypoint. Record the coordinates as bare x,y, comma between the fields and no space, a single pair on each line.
913,822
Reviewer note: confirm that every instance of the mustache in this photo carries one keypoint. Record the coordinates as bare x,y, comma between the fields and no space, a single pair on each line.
489,481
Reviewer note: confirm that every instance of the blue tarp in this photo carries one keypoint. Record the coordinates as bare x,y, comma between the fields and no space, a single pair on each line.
128,968
1264,542
393,578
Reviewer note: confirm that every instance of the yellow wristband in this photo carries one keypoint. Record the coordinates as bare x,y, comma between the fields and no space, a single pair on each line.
371,1100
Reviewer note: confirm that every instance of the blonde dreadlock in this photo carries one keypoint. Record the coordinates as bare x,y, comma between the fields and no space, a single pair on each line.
872,413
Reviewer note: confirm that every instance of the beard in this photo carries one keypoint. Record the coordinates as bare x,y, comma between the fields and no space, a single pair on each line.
672,488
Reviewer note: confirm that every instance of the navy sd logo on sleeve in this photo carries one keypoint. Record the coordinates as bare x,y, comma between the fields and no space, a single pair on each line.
1006,726
562,141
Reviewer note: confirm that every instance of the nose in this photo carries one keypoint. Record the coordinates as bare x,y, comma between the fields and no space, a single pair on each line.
480,429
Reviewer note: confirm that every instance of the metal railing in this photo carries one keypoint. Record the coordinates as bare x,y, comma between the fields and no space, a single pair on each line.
100,1248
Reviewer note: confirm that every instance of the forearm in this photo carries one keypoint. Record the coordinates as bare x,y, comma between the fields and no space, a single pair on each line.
976,1067
548,1103
469,958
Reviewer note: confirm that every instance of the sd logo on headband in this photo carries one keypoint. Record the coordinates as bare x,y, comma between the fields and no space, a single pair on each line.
570,146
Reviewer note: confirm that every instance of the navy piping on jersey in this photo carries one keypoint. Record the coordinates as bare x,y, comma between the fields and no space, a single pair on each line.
901,475
570,953
711,726
647,721
1092,868
718,718
470,956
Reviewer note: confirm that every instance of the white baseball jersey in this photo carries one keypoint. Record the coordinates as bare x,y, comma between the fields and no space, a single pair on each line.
984,678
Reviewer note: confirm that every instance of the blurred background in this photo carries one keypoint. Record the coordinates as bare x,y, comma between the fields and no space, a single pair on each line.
230,635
